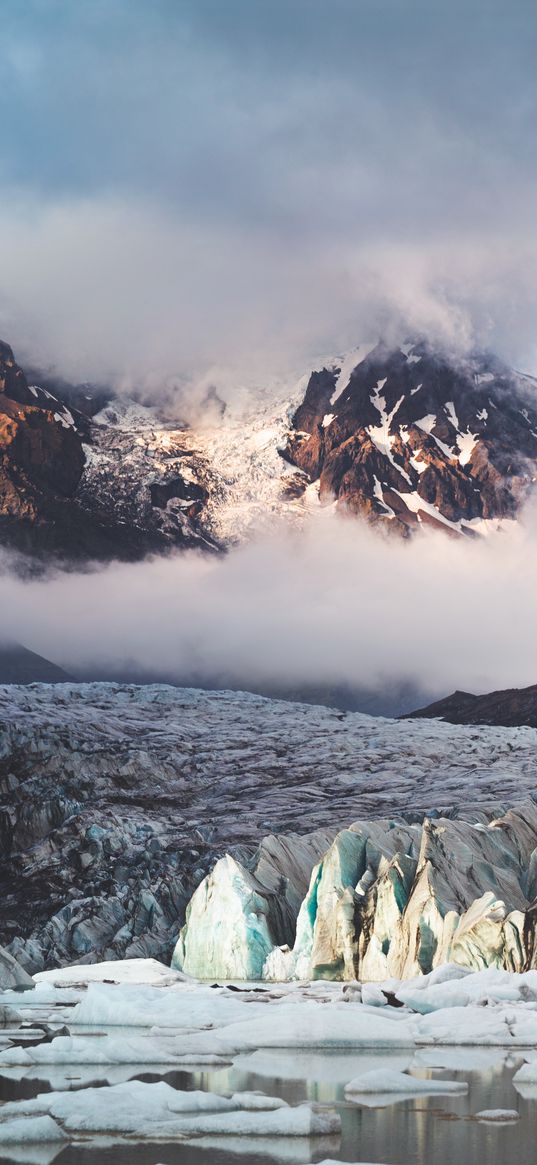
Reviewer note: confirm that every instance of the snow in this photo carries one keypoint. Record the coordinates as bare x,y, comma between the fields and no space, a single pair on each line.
419,466
466,443
416,503
65,418
380,434
427,423
347,363
484,526
327,419
379,494
450,410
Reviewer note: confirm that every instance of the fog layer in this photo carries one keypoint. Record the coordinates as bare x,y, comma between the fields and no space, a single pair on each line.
335,603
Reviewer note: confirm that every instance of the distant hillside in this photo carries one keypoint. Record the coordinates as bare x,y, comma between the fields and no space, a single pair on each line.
18,665
509,708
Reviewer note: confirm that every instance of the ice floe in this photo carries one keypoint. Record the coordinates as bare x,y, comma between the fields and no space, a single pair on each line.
386,1080
158,1112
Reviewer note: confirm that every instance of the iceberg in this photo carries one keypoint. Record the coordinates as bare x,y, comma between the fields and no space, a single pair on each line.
388,899
237,916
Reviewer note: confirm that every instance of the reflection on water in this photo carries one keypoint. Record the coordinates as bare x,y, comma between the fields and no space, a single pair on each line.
419,1131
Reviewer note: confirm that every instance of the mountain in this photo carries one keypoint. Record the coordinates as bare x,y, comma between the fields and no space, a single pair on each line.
18,665
410,436
513,706
77,485
116,802
404,437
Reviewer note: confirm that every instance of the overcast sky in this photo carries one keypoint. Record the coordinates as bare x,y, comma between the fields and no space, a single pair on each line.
191,181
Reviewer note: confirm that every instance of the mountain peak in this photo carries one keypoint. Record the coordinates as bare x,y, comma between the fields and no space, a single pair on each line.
414,436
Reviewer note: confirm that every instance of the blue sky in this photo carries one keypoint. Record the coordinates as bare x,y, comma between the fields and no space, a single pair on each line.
263,176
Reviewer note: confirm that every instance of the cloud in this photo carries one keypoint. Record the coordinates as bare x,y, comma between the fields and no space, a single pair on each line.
189,182
334,603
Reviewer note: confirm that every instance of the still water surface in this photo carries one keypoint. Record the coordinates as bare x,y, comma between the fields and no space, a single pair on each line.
419,1131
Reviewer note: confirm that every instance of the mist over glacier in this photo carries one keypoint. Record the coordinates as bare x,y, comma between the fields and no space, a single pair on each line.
334,602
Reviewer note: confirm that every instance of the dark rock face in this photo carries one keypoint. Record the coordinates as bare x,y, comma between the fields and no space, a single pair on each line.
514,706
52,501
415,437
41,459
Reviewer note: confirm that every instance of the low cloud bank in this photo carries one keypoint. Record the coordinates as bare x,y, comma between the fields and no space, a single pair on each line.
334,604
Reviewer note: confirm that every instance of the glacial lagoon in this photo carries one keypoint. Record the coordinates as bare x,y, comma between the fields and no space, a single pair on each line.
417,1131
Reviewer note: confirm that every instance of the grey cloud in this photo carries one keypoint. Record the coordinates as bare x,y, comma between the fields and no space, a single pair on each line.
189,180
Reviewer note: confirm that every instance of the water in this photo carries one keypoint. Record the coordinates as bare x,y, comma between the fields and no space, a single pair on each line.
419,1131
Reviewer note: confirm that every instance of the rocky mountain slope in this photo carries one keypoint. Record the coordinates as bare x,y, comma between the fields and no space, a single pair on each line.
508,707
409,436
387,899
116,801
77,485
403,436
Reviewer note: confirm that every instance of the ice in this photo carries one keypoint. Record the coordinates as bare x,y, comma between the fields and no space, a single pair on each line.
393,900
383,1080
158,1111
236,941
500,1116
183,1006
527,1074
21,1129
104,1050
138,971
303,1025
479,1026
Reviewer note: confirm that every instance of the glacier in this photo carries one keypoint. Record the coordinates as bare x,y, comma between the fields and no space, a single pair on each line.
388,899
125,799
